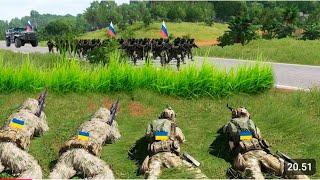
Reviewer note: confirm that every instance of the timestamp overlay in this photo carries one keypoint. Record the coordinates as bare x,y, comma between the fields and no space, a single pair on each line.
301,166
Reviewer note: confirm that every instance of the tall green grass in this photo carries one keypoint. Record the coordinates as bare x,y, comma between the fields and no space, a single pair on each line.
191,81
287,50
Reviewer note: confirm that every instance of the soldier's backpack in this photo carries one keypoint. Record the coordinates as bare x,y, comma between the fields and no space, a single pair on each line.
160,125
158,128
238,125
243,132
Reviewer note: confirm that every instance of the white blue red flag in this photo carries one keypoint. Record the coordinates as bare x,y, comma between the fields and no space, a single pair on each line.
111,30
164,31
29,27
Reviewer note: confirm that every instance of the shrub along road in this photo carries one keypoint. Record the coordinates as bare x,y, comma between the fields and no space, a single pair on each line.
287,76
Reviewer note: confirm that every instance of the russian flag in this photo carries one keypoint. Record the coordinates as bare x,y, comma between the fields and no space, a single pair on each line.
84,136
29,27
161,136
111,30
245,135
16,123
164,31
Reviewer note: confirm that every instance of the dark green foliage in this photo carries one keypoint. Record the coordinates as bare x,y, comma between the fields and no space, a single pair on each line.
102,54
241,31
311,32
284,30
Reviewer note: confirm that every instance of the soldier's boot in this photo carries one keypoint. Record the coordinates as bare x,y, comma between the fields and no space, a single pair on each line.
82,162
197,171
21,163
253,169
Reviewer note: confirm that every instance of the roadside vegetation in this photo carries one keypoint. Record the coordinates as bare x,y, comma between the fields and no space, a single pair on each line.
289,121
286,50
67,75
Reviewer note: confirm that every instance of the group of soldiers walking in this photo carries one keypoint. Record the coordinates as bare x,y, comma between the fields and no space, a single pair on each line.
136,49
143,49
80,154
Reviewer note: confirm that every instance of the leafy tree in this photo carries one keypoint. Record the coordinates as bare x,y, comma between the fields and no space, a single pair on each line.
58,28
311,32
241,31
3,27
103,54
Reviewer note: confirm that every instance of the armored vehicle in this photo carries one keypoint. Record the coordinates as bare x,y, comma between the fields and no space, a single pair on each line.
19,36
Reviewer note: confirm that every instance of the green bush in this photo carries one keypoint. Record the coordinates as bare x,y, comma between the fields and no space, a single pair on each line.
102,54
241,31
311,32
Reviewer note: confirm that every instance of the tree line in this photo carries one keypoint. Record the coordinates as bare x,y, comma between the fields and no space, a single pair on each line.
274,18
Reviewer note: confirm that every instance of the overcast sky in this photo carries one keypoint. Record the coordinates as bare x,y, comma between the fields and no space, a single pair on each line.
18,8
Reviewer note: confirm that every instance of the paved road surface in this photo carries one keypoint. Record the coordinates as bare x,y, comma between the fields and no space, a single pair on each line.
286,75
27,48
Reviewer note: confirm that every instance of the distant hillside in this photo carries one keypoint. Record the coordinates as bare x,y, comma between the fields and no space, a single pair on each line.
203,34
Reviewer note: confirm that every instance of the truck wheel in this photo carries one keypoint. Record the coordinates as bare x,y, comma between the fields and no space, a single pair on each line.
18,43
34,43
8,42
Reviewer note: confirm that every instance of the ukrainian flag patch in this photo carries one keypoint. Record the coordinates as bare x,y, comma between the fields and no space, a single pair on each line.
84,136
245,135
161,136
16,123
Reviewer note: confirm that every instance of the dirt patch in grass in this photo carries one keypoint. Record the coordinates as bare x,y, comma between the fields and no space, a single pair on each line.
209,42
107,103
92,107
137,109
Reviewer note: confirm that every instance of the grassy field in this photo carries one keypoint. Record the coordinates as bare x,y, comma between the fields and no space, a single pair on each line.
287,50
198,31
73,76
289,121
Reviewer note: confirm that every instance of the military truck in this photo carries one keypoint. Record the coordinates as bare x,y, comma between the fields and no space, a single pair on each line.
19,37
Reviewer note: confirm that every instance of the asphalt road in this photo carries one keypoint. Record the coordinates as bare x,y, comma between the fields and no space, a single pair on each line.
287,76
27,48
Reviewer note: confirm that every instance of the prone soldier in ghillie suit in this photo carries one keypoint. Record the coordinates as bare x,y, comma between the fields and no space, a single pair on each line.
80,154
250,151
164,139
15,138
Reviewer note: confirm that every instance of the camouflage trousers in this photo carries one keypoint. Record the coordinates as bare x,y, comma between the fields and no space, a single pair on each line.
169,160
79,161
18,161
251,163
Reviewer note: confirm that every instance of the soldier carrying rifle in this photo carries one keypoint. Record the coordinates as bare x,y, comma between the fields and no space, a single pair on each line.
250,151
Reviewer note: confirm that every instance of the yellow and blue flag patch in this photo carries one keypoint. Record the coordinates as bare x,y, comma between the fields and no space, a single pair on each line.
83,136
245,135
161,136
16,123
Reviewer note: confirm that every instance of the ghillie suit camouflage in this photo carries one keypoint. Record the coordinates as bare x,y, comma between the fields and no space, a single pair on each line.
165,153
15,139
79,156
250,151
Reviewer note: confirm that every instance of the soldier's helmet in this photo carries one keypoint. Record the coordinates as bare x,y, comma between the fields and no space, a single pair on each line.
240,112
168,113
